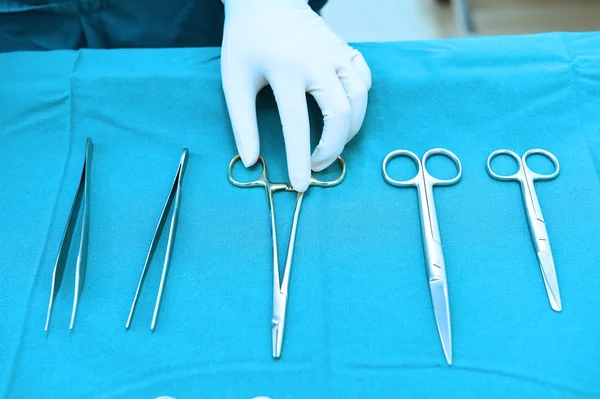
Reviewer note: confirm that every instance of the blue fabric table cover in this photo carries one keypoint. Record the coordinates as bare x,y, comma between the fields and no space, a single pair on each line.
360,316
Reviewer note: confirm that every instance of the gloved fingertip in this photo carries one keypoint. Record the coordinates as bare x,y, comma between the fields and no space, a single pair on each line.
249,160
300,179
301,186
320,164
248,150
324,156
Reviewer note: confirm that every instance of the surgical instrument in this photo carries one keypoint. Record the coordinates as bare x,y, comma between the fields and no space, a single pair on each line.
537,226
432,244
280,287
80,203
173,197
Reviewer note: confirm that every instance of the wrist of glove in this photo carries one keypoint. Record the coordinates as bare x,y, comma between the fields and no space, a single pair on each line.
284,44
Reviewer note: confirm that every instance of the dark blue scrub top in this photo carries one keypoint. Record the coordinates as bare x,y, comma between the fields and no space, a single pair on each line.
74,24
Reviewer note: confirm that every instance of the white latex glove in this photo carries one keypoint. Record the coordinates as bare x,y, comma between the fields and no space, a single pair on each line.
285,44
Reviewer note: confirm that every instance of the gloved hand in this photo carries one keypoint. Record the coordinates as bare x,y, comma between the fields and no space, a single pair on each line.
285,44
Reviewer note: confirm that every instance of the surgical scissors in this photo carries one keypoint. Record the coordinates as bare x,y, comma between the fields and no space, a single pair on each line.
280,287
82,199
432,244
537,226
174,198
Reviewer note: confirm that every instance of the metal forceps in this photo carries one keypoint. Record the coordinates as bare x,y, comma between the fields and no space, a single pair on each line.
432,244
537,226
82,198
173,197
280,287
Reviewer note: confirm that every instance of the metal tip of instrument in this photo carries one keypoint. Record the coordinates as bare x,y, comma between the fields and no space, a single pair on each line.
441,309
73,313
133,304
157,305
448,352
51,300
550,279
78,287
277,332
128,323
278,320
48,316
556,304
184,156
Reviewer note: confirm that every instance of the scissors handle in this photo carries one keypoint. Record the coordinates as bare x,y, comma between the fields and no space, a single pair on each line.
541,176
261,180
330,183
448,154
522,164
422,168
401,183
513,155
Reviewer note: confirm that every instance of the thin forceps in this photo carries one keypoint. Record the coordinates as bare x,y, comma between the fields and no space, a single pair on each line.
432,243
537,226
173,197
82,199
280,287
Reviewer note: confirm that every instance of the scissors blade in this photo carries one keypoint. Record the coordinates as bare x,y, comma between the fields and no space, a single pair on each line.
441,310
550,280
278,322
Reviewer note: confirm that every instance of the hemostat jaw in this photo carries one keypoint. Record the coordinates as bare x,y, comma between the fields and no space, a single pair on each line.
277,331
278,323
